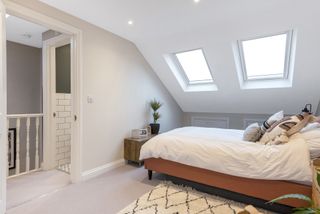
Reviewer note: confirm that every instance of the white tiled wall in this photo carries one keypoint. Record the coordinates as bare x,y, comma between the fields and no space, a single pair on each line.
63,129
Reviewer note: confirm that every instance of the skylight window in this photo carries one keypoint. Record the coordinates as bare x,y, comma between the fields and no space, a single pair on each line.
266,58
195,67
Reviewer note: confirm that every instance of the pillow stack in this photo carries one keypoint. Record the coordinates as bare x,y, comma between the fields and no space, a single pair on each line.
277,129
279,133
254,132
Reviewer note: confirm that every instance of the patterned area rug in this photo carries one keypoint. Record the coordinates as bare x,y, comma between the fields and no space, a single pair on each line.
167,198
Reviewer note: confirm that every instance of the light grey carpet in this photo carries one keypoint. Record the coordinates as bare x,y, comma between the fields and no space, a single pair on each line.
106,194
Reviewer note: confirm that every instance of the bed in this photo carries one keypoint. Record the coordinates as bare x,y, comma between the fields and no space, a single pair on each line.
220,158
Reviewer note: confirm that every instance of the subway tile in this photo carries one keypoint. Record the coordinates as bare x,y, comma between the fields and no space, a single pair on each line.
65,126
60,108
67,96
67,108
64,102
60,96
64,114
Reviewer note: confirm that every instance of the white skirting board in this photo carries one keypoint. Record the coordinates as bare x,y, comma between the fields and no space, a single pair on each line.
102,169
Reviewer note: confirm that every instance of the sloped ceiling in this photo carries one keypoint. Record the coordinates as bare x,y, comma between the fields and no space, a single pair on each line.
167,26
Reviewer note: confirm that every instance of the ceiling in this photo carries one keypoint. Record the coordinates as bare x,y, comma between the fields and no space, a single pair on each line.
169,26
24,32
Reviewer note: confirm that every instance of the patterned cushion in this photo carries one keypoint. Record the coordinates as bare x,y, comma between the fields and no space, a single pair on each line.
271,120
252,133
278,132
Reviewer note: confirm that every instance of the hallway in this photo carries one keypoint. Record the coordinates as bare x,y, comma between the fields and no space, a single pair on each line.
28,187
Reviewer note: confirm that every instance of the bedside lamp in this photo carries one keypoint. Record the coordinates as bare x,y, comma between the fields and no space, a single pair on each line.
307,109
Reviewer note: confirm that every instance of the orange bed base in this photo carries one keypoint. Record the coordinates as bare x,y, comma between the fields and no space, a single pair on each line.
261,189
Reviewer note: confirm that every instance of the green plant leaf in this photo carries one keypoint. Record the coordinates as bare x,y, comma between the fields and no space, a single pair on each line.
295,196
156,116
318,178
155,105
304,211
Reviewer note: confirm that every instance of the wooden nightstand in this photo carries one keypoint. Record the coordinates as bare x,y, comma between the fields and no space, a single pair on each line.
132,148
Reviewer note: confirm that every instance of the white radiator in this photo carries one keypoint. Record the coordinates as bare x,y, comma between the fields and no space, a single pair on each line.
210,122
248,121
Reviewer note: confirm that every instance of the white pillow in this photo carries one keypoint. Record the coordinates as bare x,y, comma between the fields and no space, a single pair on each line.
276,117
312,137
271,120
310,134
310,127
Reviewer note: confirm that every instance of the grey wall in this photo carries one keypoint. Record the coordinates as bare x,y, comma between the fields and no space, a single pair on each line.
236,121
63,68
24,79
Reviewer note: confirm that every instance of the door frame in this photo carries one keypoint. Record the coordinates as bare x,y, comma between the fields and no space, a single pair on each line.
48,66
3,114
15,9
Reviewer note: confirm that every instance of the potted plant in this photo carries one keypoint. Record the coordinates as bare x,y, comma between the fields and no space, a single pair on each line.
155,126
313,207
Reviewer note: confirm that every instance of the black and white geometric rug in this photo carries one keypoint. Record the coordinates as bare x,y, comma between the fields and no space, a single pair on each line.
167,198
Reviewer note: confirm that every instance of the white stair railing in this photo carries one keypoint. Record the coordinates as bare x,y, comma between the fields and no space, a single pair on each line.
15,120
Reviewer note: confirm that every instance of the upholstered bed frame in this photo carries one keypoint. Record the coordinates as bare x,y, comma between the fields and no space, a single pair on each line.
261,189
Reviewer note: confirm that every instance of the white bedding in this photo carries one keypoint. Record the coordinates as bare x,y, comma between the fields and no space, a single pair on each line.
222,150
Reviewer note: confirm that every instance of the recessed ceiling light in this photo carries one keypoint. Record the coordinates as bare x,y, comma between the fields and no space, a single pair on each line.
7,15
26,36
130,22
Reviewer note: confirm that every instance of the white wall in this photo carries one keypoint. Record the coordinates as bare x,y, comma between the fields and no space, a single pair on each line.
121,83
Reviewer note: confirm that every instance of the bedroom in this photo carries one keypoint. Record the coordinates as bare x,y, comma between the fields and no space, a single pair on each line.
129,54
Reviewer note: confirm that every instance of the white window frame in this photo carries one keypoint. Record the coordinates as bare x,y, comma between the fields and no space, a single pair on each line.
286,63
183,73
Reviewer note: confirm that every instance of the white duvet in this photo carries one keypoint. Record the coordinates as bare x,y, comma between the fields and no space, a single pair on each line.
222,150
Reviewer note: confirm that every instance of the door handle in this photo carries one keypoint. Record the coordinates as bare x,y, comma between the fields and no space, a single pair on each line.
54,114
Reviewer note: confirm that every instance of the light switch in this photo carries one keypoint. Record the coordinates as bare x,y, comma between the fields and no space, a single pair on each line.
89,99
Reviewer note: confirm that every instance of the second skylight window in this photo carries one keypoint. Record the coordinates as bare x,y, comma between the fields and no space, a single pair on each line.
266,58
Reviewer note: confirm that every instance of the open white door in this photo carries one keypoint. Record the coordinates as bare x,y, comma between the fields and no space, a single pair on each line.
53,131
3,111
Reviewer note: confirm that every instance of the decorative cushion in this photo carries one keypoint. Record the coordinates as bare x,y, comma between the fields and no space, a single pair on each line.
252,133
271,120
280,131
